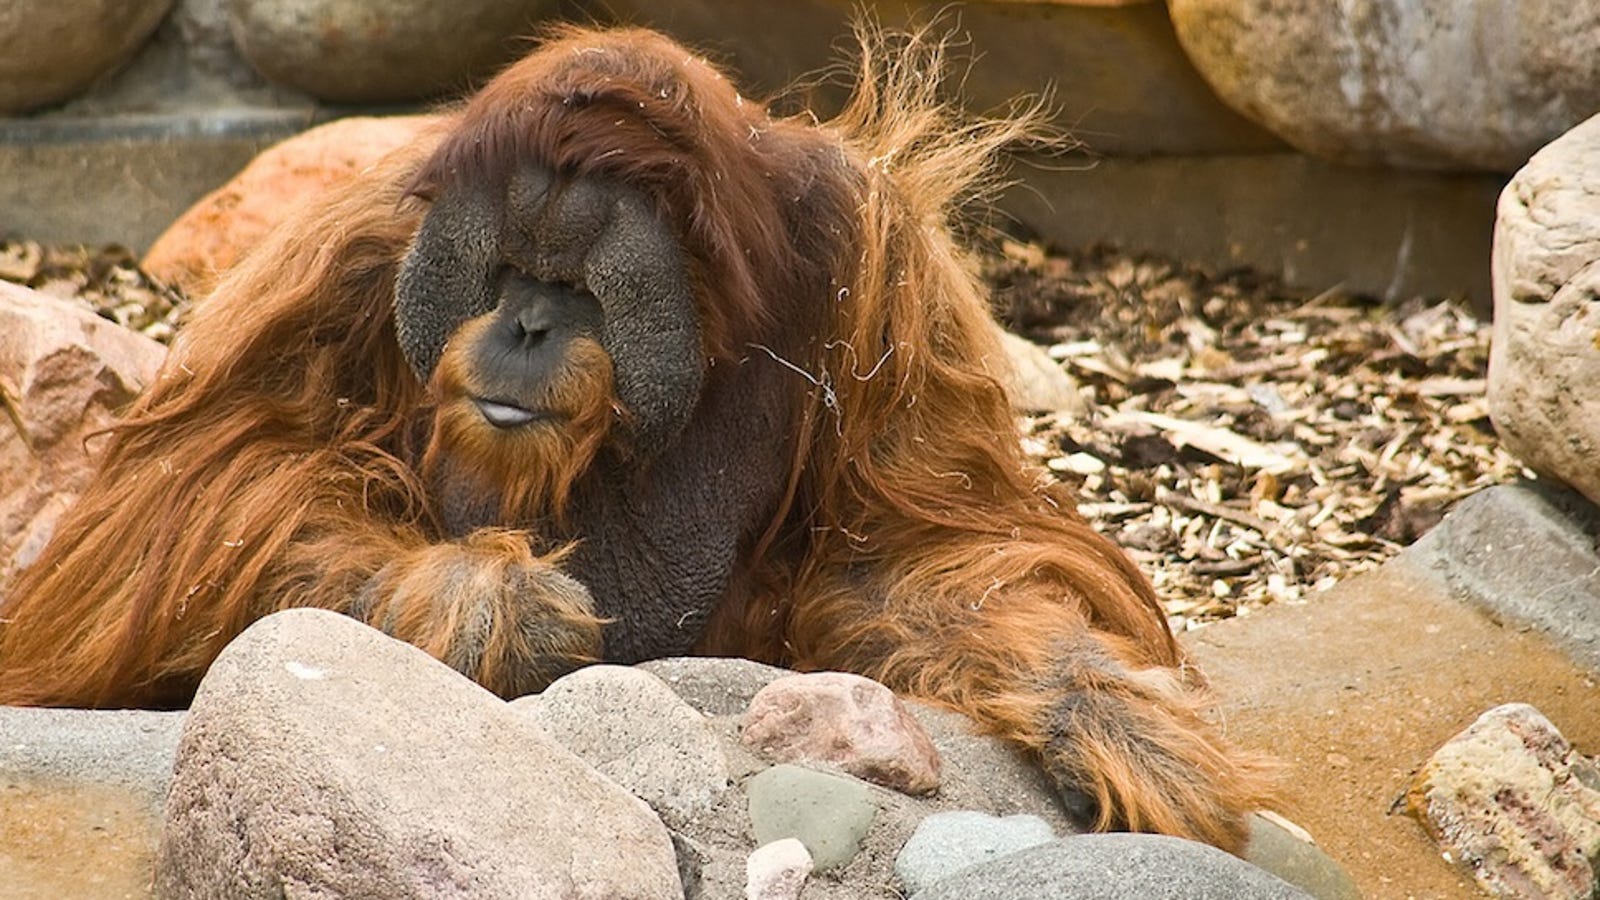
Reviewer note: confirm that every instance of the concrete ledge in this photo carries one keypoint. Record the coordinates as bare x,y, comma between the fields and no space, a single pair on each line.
1381,232
1387,233
123,180
1526,554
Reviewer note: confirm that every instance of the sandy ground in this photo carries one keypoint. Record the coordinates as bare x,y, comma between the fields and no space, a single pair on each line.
86,842
1356,688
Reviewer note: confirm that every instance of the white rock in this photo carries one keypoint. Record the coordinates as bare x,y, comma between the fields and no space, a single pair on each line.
777,871
1511,800
1544,361
1035,382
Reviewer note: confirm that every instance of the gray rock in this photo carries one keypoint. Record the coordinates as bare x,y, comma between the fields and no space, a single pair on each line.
946,843
81,793
132,749
1114,867
717,686
377,51
1544,364
1449,84
982,772
1512,801
830,814
1527,553
54,50
845,721
321,758
631,727
1298,861
979,772
71,373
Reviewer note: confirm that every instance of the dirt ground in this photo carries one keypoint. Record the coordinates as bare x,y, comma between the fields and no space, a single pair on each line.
1357,687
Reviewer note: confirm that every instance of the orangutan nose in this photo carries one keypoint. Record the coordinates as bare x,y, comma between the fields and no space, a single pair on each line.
534,321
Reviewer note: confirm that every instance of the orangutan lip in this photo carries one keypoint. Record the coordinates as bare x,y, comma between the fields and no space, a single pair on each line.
501,414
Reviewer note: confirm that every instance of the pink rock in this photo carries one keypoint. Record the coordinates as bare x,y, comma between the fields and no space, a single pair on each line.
1510,799
846,721
777,871
217,230
65,373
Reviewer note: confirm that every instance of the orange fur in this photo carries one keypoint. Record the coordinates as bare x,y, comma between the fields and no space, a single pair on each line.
287,456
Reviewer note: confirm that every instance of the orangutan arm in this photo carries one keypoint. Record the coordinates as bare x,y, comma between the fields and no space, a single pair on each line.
958,624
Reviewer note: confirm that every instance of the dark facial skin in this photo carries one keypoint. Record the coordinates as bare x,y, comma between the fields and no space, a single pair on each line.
694,466
485,248
533,329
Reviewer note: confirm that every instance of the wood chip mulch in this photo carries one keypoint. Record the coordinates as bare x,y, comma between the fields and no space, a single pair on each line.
105,279
1248,445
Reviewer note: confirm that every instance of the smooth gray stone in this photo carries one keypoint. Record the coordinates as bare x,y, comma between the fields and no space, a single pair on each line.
947,843
131,749
1115,867
830,814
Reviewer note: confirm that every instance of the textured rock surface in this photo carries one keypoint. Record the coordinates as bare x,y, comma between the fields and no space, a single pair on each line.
827,813
777,871
1544,362
1114,867
376,51
215,232
382,743
1529,553
633,729
1475,84
52,50
1510,799
313,731
1037,383
946,843
64,374
717,686
843,720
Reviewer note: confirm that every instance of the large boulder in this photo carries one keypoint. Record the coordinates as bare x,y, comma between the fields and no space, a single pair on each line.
321,758
1544,362
1451,84
381,51
217,230
50,50
65,374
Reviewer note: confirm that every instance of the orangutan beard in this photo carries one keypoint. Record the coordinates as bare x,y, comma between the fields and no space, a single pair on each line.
521,475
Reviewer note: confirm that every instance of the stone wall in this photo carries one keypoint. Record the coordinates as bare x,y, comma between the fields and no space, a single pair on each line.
1354,145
